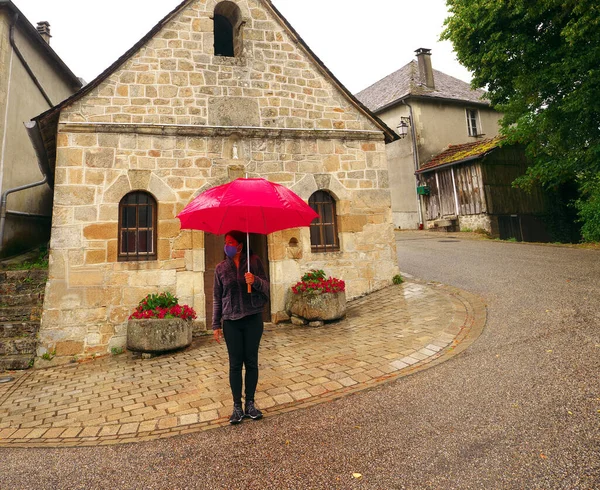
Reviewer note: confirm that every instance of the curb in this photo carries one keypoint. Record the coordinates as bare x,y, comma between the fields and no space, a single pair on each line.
462,331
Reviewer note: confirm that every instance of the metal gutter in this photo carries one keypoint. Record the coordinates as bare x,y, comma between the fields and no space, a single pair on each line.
461,102
11,38
35,136
413,134
449,164
3,200
35,37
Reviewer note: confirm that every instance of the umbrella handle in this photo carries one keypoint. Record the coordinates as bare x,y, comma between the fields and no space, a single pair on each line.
248,254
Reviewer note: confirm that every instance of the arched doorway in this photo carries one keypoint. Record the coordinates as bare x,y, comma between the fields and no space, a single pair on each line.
213,254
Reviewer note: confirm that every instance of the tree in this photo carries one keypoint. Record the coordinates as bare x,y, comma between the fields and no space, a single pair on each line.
540,62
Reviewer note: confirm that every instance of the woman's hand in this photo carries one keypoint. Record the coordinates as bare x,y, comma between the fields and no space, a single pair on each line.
249,278
218,334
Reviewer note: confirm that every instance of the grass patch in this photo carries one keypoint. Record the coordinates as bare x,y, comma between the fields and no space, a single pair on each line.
38,262
397,279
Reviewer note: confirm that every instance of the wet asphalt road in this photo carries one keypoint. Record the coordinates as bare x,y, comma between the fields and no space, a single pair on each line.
519,409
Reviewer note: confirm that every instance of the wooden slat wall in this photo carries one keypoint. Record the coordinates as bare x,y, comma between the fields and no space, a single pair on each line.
471,196
500,169
432,209
447,193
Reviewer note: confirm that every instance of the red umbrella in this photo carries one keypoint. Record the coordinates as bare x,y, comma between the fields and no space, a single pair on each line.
250,205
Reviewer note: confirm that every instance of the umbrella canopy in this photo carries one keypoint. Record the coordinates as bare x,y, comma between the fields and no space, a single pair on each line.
250,205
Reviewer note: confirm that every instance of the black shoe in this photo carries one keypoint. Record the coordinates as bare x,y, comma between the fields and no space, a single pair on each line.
252,412
238,414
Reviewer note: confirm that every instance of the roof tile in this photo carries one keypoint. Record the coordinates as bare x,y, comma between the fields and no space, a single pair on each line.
405,82
458,153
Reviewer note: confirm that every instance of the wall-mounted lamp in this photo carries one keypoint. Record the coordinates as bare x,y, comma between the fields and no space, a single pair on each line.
402,128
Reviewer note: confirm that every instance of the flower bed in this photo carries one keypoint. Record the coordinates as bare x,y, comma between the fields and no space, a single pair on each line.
160,324
317,299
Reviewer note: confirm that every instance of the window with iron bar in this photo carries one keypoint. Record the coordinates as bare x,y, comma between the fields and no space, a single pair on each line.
323,230
137,227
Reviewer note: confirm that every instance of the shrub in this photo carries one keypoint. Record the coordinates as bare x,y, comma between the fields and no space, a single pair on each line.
397,279
588,207
163,305
315,282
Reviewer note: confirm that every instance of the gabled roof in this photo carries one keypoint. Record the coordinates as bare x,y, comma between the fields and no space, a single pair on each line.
456,154
406,83
35,37
52,114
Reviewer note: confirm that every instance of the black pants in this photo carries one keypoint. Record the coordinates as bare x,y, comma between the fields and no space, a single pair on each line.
243,338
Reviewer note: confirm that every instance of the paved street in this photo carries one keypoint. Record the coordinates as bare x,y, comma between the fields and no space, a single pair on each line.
520,408
121,399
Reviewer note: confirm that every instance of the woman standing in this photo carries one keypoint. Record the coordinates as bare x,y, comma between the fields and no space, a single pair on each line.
241,314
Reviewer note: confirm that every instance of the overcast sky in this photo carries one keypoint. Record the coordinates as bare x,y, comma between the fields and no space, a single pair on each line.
360,41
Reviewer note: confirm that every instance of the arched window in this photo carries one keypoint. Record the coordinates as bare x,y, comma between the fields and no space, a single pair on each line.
137,227
323,230
227,29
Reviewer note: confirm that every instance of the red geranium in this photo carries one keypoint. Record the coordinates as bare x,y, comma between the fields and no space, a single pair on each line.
315,282
163,305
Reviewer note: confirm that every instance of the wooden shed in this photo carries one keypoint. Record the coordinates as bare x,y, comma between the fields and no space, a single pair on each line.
469,186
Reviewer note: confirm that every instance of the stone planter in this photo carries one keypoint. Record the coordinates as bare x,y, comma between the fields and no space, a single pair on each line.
318,306
156,335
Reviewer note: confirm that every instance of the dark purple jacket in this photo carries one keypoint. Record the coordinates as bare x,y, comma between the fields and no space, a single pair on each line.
231,300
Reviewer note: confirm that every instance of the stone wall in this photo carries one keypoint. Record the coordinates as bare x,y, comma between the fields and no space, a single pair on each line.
479,221
174,120
90,294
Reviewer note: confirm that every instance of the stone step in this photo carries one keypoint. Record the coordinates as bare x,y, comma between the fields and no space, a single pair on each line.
9,314
19,329
9,288
18,346
33,276
17,362
27,299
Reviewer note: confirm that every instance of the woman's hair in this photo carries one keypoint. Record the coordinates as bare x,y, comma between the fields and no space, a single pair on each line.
239,237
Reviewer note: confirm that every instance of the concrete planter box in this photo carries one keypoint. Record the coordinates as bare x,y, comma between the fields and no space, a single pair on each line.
318,306
156,335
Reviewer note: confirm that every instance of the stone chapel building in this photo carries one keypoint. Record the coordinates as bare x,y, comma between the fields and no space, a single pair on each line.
216,90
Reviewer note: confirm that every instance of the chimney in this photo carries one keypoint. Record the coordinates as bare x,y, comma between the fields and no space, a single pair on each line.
425,68
44,30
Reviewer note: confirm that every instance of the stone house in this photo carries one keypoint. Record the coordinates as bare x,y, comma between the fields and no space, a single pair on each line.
32,79
470,186
430,110
216,90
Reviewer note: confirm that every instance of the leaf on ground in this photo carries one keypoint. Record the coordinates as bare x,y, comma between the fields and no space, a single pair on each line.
358,476
543,456
549,350
357,427
569,412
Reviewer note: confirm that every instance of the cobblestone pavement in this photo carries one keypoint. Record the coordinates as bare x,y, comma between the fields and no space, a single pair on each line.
387,334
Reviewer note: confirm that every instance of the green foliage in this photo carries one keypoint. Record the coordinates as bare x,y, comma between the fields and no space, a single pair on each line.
115,351
314,275
40,261
397,279
466,230
48,356
163,305
588,207
540,62
162,300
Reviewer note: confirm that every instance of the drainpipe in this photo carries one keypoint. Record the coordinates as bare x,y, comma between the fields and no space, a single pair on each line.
24,62
413,134
3,211
3,199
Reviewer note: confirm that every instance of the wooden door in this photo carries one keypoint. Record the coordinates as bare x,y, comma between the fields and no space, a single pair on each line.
213,254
